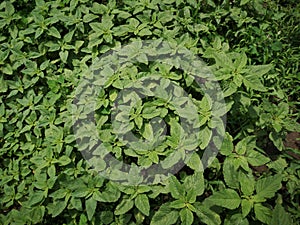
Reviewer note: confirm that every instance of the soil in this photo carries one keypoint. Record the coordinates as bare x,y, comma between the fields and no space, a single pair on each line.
293,141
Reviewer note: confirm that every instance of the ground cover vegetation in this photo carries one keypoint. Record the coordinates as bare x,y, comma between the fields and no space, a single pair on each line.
252,48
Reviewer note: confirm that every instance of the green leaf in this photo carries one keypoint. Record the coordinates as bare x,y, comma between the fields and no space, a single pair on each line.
124,206
89,17
244,2
83,220
97,163
90,207
145,32
64,56
39,31
177,204
279,165
142,203
276,46
231,175
205,137
226,198
246,207
76,203
247,182
57,207
262,213
176,129
54,32
172,159
147,131
3,85
236,219
7,69
194,185
256,159
241,61
241,146
60,193
176,188
227,145
280,216
267,187
64,160
110,194
259,70
277,140
186,216
36,198
253,82
165,215
195,163
68,36
9,8
98,8
206,215
37,214
106,217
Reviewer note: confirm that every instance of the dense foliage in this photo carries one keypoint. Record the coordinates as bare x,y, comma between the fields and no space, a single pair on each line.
252,48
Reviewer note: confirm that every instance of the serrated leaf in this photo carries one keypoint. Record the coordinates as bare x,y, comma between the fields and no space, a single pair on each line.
253,82
227,145
90,207
36,197
244,2
206,215
68,36
3,85
64,160
205,137
277,140
142,203
267,187
256,159
177,204
194,162
194,185
7,69
54,32
89,17
241,61
64,56
111,194
262,213
246,207
226,198
39,31
147,131
176,188
279,165
172,159
57,207
37,214
236,219
186,216
230,173
280,216
165,215
124,206
247,182
259,70
176,129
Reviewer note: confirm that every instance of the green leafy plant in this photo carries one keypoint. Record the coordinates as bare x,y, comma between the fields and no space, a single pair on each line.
46,49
